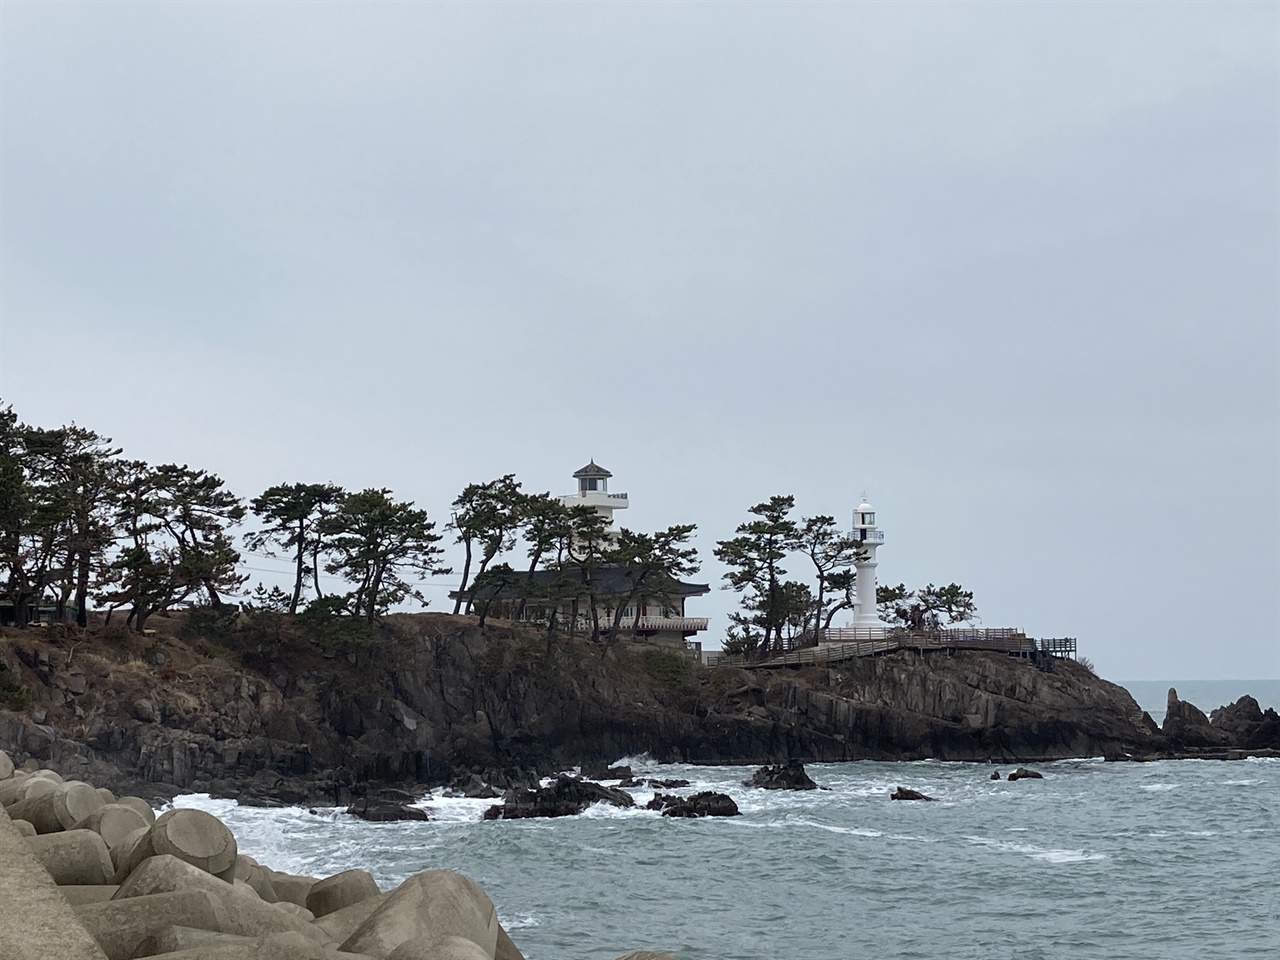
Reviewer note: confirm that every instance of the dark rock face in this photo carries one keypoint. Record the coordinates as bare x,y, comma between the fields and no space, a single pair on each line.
705,804
564,798
386,811
995,775
443,701
906,793
1185,725
783,776
1022,773
668,784
602,771
1246,723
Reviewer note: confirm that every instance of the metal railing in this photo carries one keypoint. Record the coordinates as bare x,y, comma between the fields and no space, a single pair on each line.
669,623
846,643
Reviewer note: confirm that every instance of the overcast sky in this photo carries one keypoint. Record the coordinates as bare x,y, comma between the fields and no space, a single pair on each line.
1009,268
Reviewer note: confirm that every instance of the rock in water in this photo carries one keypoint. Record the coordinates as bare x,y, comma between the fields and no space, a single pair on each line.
564,798
1246,722
705,804
782,776
995,775
386,811
1022,773
1187,726
906,793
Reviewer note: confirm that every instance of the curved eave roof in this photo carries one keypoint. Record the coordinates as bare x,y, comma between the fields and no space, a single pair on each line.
592,469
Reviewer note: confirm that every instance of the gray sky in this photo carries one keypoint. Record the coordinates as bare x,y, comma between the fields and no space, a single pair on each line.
1010,268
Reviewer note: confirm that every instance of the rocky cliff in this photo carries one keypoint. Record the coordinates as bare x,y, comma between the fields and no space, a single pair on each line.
436,697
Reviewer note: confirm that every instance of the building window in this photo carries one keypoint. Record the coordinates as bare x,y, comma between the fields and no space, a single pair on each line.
868,519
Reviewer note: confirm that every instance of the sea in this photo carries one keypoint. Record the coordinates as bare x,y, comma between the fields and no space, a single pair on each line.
1169,860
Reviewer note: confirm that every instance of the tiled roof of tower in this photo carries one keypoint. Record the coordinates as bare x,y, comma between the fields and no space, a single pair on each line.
592,469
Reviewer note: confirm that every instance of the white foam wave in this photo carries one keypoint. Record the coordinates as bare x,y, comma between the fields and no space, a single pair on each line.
1037,853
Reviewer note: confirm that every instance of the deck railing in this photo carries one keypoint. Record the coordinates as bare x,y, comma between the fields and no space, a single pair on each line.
846,643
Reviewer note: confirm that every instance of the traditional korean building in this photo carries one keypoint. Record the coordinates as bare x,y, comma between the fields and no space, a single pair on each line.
655,615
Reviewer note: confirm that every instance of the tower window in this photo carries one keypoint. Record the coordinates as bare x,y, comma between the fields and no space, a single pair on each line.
868,518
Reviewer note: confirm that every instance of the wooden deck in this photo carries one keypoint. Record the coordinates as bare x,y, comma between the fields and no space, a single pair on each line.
1003,640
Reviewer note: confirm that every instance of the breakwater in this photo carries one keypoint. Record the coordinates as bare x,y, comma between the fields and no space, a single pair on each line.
86,875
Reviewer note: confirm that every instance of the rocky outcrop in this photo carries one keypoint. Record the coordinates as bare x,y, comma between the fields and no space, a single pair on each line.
906,793
1022,773
386,811
1185,725
1248,724
442,701
782,776
566,797
705,804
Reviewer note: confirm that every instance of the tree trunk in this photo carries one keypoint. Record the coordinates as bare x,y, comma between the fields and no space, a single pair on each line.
300,570
466,575
533,566
315,571
84,563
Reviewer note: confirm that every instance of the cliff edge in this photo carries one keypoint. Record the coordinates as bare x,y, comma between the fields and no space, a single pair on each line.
436,697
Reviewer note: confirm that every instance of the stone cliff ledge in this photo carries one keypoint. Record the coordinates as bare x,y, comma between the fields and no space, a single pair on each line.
437,697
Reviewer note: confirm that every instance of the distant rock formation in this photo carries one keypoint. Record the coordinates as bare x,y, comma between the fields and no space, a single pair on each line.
564,798
1248,724
906,793
708,803
1185,725
783,776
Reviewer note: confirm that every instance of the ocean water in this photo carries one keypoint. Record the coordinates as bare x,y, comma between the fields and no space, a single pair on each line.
1170,860
1208,695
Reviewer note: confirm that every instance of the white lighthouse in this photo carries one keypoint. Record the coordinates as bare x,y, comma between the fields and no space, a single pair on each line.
593,491
866,617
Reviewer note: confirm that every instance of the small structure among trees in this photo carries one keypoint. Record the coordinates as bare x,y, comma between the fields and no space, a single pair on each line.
584,575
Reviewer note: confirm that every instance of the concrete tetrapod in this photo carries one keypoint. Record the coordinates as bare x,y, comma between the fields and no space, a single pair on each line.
280,946
11,787
73,856
341,924
446,948
506,950
428,906
199,838
291,887
20,789
129,851
112,822
58,809
24,828
38,924
341,890
120,926
141,806
247,915
78,894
